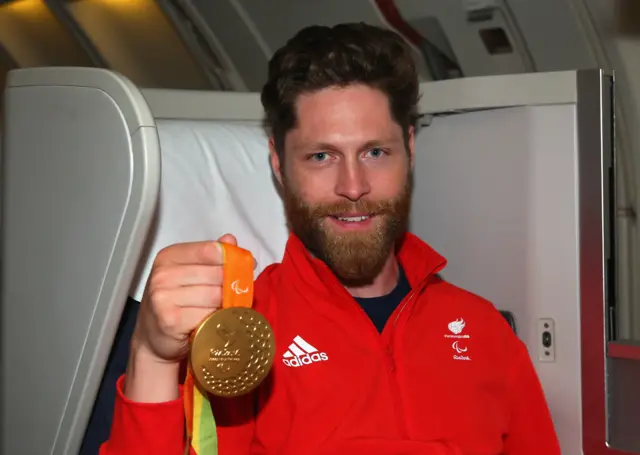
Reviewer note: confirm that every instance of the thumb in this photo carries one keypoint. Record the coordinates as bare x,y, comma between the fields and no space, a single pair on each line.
229,239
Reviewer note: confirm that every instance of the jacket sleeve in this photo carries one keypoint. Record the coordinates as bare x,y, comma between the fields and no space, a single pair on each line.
159,428
531,429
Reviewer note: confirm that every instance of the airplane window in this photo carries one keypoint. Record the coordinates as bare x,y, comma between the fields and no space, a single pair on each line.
137,39
34,37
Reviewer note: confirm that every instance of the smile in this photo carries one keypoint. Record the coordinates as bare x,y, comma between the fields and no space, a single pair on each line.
353,219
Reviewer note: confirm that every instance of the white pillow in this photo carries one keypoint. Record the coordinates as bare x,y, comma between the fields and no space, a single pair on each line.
216,179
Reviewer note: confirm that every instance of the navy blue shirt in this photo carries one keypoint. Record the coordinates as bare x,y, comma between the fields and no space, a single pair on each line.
380,308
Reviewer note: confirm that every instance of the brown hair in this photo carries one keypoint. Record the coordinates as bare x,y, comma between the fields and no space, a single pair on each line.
319,57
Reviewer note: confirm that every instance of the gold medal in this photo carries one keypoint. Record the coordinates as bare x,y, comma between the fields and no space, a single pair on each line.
232,351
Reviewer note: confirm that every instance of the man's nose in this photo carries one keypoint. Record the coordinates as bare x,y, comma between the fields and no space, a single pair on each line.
353,182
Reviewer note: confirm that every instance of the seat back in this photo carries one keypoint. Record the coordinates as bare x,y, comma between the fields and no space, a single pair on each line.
80,179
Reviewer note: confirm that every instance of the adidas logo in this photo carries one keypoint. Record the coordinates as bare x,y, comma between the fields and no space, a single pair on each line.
302,353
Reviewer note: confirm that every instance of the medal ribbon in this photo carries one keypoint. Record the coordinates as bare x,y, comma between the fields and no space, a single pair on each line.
237,291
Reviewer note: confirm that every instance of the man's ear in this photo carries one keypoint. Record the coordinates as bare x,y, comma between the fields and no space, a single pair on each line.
275,160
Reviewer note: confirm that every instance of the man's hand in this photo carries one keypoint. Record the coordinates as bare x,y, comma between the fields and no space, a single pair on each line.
183,289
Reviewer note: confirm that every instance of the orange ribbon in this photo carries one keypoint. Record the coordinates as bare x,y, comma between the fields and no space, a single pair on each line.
237,282
237,291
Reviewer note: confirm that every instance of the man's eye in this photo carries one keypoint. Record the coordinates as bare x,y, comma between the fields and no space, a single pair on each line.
375,153
320,156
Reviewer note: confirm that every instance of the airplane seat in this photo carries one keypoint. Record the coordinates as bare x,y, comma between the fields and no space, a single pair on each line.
80,179
216,179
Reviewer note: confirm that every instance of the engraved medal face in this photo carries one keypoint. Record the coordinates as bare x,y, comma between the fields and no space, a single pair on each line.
232,352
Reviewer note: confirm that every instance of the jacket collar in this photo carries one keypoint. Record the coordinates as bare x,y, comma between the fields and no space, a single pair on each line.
418,260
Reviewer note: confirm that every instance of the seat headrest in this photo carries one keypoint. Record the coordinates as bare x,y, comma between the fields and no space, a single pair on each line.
216,179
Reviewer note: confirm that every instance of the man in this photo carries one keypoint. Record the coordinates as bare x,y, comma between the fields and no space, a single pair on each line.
412,365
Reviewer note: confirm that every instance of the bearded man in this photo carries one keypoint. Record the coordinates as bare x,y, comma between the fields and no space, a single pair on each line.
376,354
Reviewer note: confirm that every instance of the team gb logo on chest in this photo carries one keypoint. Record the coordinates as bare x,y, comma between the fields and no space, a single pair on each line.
460,343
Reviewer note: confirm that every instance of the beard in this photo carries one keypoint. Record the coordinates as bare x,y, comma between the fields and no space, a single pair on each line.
355,257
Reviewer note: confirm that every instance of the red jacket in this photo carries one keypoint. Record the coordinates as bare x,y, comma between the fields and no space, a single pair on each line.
446,376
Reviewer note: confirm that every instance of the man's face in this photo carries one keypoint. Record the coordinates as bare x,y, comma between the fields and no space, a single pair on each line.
346,179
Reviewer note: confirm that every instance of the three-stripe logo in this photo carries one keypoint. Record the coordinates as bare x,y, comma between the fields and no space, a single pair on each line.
301,353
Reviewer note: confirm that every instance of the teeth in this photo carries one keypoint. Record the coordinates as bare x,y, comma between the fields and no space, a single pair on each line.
353,219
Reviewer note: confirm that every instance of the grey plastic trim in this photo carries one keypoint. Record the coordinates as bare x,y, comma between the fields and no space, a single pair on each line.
121,89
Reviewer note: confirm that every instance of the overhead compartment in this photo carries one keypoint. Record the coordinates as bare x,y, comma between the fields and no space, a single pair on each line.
33,36
246,33
490,37
137,39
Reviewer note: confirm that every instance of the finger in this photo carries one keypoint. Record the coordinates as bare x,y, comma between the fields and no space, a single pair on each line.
200,297
190,319
165,300
174,276
202,253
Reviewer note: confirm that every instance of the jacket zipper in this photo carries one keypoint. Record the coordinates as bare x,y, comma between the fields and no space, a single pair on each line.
389,355
393,374
407,300
410,297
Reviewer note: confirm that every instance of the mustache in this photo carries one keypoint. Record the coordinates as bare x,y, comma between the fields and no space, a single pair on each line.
367,207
